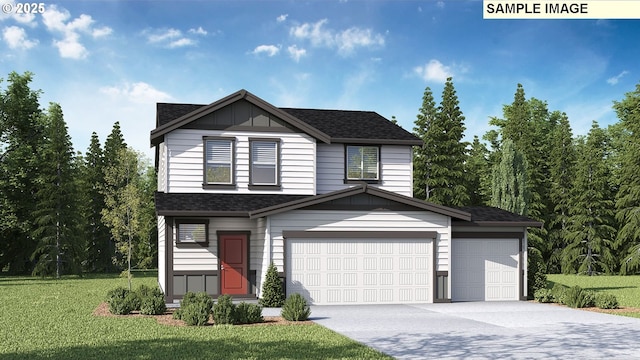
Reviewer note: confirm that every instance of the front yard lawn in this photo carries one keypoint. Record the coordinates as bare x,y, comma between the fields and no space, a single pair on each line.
625,288
45,319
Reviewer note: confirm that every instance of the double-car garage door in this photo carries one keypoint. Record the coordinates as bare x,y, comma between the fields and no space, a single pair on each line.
360,271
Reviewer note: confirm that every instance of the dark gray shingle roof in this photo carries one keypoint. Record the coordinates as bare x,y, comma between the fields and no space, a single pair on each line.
338,124
208,204
487,215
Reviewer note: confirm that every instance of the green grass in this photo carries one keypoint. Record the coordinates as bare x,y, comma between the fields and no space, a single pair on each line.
51,319
625,288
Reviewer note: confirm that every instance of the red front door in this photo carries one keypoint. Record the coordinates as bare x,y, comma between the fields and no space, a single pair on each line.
233,264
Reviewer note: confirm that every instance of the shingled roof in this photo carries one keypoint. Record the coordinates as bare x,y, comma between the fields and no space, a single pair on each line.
208,204
339,126
492,216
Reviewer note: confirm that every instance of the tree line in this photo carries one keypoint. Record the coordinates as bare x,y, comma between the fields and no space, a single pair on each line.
63,212
585,189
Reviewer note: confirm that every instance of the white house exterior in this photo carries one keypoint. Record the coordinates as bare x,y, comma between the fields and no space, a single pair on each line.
327,196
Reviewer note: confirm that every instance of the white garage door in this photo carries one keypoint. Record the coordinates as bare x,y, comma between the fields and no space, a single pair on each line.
484,270
360,271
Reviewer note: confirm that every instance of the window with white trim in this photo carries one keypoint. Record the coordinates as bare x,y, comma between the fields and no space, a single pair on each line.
218,162
362,162
264,162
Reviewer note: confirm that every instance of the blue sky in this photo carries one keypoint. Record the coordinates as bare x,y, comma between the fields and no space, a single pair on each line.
107,61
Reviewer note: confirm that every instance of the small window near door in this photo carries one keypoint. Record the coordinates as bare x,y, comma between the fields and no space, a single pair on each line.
362,163
192,232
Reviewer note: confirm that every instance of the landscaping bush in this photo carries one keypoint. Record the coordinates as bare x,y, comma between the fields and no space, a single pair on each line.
272,292
195,314
558,292
577,297
224,312
295,308
543,295
195,308
144,291
606,301
537,271
153,304
248,313
121,301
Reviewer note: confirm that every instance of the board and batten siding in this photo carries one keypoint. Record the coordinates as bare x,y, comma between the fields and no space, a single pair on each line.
396,168
162,265
200,258
162,167
185,170
320,220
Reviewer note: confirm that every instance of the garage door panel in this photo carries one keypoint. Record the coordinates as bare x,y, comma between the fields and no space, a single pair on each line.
485,269
338,271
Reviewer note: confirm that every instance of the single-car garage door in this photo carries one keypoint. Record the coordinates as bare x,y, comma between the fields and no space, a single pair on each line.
485,270
360,271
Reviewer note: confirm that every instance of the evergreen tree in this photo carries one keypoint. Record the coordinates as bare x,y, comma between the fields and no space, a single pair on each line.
272,290
56,218
561,169
21,134
590,232
113,147
509,181
146,252
478,174
423,156
97,234
628,196
440,163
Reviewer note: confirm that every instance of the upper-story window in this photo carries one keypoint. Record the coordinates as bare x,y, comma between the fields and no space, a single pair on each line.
265,162
362,163
218,163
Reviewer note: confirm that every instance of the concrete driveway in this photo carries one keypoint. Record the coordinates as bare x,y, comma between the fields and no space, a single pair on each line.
491,330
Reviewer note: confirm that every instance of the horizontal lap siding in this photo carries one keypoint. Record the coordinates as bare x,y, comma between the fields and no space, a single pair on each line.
395,168
197,258
357,221
186,165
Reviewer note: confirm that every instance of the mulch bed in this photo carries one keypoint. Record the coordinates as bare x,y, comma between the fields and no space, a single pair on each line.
167,318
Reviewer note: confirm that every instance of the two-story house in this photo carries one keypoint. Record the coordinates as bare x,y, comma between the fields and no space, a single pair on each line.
327,196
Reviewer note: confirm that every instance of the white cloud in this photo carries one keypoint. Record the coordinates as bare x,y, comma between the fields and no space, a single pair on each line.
170,38
296,53
282,18
69,47
100,32
269,50
440,4
345,41
57,20
434,71
140,92
198,31
615,79
16,38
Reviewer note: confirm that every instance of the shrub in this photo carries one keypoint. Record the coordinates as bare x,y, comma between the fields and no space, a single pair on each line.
153,304
144,291
577,297
248,313
224,312
195,314
543,295
295,308
195,308
558,292
606,301
121,301
537,271
272,292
